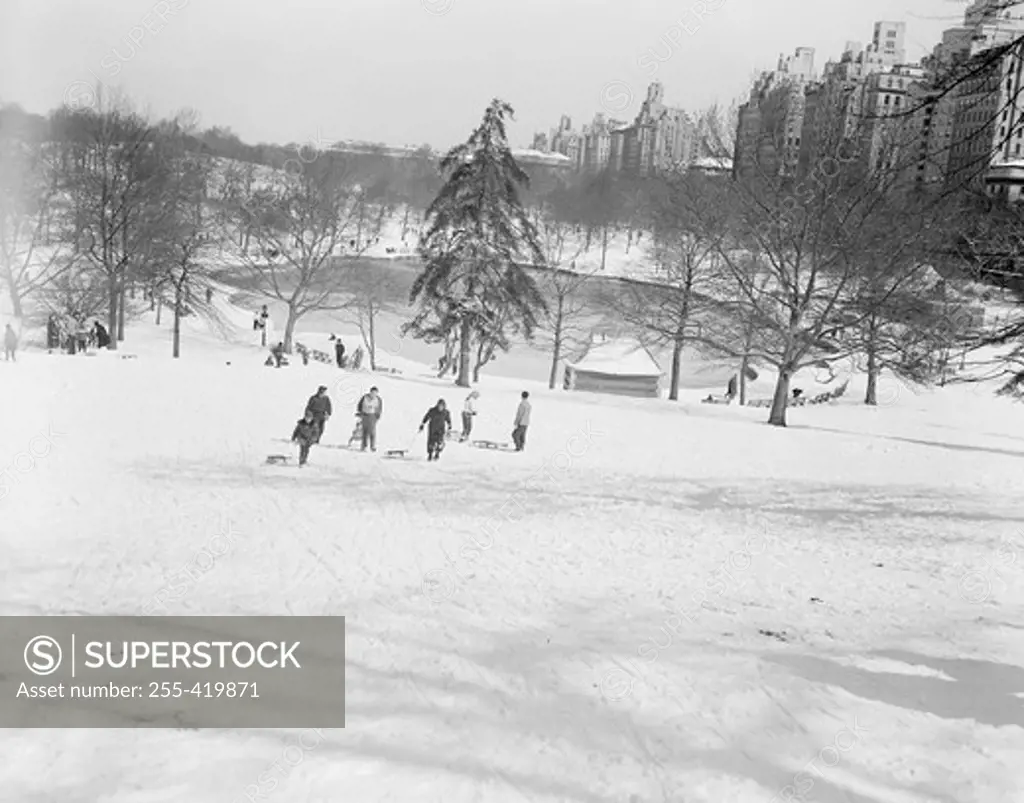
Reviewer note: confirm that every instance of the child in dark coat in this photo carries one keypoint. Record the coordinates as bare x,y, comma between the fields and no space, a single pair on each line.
306,434
438,422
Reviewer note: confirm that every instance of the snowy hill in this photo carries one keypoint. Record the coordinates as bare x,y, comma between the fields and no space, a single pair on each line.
682,604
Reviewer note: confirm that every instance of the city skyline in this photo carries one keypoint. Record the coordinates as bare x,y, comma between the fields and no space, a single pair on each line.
279,78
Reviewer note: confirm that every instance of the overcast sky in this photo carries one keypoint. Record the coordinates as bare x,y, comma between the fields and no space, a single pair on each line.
420,71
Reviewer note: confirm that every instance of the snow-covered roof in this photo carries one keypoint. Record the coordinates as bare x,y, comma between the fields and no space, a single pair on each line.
712,163
618,358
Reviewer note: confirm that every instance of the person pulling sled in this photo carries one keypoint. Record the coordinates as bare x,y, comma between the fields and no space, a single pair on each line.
306,433
319,409
439,423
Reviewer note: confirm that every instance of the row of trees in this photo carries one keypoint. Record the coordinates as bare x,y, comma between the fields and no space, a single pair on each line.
769,270
773,270
98,205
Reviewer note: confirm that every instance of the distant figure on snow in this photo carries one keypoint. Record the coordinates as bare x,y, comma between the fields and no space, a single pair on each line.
468,414
305,434
102,337
369,410
319,408
522,422
10,343
52,333
278,354
339,352
730,390
439,423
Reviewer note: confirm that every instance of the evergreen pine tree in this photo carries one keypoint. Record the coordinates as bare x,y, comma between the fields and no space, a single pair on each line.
479,240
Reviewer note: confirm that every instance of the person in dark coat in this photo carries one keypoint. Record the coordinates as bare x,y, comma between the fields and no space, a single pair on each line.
306,434
339,352
52,333
278,354
102,337
10,343
439,423
319,407
369,410
731,388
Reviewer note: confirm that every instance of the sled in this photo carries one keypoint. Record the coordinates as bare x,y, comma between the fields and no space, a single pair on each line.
277,459
491,445
396,453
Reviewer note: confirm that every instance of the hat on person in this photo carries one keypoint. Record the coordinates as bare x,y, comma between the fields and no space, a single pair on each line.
322,387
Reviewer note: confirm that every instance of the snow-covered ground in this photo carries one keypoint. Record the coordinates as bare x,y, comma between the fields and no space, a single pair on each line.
623,258
654,603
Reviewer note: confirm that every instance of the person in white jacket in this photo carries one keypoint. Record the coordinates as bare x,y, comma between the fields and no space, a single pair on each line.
521,423
468,413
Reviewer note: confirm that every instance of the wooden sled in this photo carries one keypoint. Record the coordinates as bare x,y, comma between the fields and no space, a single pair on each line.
277,459
396,453
491,445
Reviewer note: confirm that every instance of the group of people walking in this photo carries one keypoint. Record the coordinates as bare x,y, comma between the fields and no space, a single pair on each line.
437,421
73,336
62,333
310,428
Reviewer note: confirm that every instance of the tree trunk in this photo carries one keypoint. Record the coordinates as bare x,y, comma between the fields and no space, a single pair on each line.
744,363
677,362
12,289
122,297
112,298
289,329
556,351
604,246
176,348
780,401
405,223
629,239
871,395
159,309
371,346
464,354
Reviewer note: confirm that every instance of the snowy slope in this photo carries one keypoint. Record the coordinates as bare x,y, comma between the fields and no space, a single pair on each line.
612,642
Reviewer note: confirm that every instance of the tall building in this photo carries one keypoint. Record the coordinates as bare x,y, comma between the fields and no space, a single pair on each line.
566,141
596,143
887,43
988,123
887,131
770,124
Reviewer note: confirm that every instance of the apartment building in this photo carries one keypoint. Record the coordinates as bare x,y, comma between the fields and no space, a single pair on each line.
988,124
770,124
659,137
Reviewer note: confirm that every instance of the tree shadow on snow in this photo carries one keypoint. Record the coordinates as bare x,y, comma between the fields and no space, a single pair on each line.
523,706
954,447
980,690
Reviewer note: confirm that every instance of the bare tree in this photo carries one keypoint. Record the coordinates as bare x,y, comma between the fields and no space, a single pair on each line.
813,258
301,223
689,219
34,247
562,283
110,164
369,290
185,236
